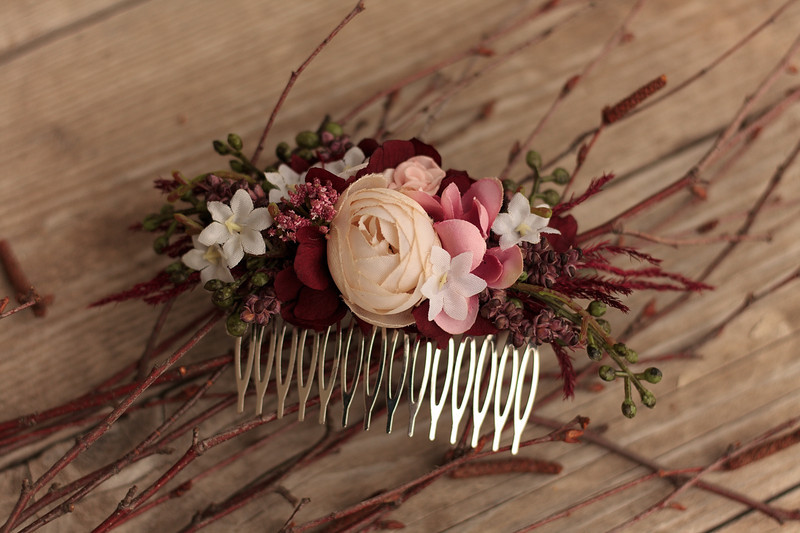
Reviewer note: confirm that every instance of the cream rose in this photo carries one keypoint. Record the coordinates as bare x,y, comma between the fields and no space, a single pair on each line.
379,247
418,173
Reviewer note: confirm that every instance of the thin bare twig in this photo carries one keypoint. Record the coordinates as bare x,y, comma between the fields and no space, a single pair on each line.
295,74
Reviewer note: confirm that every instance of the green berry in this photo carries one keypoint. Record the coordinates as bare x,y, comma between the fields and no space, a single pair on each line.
236,165
223,297
648,399
629,408
172,268
235,142
533,159
596,309
550,197
259,279
560,176
307,139
334,129
283,151
235,326
160,243
510,185
652,375
595,354
151,222
213,285
607,373
305,153
254,263
220,148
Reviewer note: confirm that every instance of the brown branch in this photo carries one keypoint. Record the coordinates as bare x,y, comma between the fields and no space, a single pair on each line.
26,292
567,88
478,50
608,444
30,489
676,241
393,497
467,81
151,341
296,74
142,450
717,61
720,146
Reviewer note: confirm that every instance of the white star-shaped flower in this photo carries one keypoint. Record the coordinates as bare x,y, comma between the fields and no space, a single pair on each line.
353,161
237,228
284,180
519,224
209,260
451,284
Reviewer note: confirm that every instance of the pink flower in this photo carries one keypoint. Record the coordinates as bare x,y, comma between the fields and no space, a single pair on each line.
419,173
479,205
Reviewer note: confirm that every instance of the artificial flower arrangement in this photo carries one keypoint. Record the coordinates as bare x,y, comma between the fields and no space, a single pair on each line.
382,234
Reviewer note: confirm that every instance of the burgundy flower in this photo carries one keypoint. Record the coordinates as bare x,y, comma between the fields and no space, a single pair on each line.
568,227
392,153
305,307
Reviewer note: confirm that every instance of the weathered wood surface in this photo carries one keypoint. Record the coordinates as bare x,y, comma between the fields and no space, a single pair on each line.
100,97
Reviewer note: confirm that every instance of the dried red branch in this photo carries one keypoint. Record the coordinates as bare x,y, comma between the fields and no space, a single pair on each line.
765,449
98,399
677,241
479,50
26,292
569,432
720,146
466,81
568,87
677,477
331,440
198,448
510,465
589,501
151,341
718,60
30,489
744,229
296,74
142,450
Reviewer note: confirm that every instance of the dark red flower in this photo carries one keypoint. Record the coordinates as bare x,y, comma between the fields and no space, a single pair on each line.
568,227
306,307
392,153
459,177
310,262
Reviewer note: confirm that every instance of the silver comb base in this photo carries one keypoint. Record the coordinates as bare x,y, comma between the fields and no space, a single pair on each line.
348,353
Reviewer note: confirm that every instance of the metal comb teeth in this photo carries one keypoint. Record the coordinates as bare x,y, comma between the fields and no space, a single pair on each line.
469,370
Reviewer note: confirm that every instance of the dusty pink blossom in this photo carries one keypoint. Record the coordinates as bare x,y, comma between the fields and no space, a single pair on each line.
419,173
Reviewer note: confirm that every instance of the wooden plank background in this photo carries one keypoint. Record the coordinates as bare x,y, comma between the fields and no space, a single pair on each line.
99,97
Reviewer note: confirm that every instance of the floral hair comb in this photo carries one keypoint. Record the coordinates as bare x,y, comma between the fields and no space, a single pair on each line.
370,267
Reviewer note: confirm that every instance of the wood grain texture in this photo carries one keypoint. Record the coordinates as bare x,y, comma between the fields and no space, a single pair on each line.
99,98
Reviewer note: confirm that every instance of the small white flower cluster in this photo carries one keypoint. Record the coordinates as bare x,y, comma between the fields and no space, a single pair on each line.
520,224
286,179
236,230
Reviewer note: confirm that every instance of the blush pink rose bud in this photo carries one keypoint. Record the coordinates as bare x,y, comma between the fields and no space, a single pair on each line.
419,173
379,247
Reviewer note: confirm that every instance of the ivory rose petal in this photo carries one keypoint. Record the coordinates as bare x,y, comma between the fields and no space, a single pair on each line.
379,247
